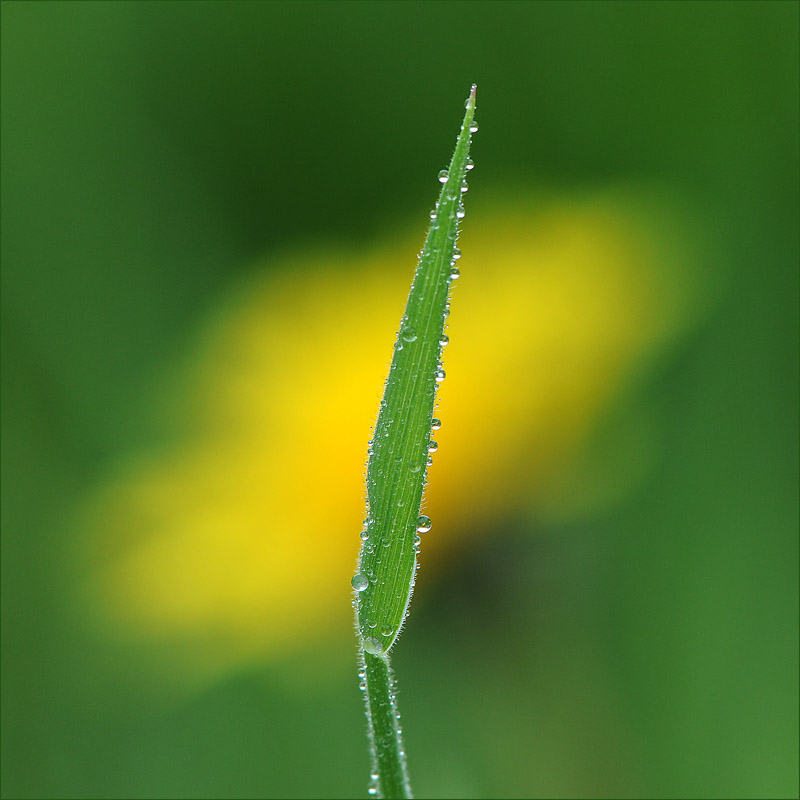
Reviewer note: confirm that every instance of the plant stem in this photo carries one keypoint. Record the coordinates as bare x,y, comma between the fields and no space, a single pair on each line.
389,777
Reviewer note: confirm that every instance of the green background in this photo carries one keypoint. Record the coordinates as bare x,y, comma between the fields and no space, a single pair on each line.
152,153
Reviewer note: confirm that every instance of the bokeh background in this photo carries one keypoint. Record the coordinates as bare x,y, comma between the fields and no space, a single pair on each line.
624,625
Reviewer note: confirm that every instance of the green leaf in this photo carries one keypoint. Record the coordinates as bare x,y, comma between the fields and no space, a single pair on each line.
398,452
398,462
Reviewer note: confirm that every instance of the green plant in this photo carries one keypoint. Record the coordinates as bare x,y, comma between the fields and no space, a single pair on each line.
399,455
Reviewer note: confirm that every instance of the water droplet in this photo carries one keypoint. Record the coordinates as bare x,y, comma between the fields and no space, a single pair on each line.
461,213
371,623
415,466
360,581
423,524
430,460
456,254
433,214
385,542
362,685
401,503
436,424
408,334
470,164
440,375
364,535
473,127
417,540
387,630
454,273
373,646
444,339
464,187
398,345
372,789
443,176
433,446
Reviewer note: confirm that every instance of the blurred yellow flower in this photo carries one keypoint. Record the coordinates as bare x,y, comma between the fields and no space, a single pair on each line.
238,542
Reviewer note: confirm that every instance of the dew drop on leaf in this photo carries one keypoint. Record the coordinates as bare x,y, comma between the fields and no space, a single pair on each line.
443,176
423,524
360,582
373,646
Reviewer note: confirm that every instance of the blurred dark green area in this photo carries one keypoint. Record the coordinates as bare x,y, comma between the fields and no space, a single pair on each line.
154,152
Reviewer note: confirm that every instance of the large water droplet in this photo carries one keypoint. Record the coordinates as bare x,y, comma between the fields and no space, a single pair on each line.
408,334
371,623
439,375
433,214
461,213
436,424
444,339
415,466
454,272
387,630
373,646
360,581
433,446
473,128
456,254
464,187
470,164
423,524
443,176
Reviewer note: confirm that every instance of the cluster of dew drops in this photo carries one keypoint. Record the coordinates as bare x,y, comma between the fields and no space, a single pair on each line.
361,581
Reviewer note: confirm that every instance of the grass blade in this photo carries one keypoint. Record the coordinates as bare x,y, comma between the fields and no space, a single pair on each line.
397,467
